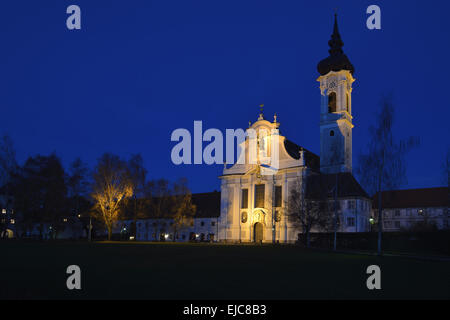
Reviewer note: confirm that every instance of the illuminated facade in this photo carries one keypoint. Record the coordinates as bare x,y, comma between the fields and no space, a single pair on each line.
254,195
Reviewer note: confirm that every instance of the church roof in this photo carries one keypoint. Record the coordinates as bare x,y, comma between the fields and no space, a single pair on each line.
208,204
337,60
324,184
414,198
311,160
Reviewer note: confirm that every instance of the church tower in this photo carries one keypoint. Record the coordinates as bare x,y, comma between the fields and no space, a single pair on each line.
336,78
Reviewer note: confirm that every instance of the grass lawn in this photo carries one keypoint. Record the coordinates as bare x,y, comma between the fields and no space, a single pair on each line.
37,270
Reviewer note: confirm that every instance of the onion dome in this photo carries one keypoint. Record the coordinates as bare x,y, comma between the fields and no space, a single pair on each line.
337,60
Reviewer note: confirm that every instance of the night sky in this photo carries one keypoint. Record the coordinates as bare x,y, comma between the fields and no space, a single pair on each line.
137,70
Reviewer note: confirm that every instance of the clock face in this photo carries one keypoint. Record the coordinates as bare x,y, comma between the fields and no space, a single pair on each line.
332,85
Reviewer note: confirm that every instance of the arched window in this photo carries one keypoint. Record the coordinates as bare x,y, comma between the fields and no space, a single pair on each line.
347,102
331,133
332,102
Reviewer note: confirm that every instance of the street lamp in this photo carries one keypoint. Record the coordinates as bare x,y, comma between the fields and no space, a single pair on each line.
89,228
372,221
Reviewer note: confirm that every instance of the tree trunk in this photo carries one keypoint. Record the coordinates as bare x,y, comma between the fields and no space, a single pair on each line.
307,239
380,222
380,210
109,233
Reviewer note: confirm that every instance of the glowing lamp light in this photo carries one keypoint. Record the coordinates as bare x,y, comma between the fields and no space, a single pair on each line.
372,221
131,237
166,235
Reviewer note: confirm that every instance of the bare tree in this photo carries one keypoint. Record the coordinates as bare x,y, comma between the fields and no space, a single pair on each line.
8,164
382,166
138,175
182,207
111,186
160,201
446,168
307,207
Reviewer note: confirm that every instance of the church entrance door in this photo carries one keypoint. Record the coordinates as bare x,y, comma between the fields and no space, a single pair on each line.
258,232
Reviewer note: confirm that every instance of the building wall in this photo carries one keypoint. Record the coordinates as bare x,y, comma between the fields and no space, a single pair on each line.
354,212
205,229
398,219
235,228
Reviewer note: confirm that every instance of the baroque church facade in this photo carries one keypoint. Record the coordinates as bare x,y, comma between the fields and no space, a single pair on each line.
254,200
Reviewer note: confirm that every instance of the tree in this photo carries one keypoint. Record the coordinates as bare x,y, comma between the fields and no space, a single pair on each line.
446,168
137,174
307,206
111,186
8,164
160,201
78,189
182,207
382,166
40,194
8,167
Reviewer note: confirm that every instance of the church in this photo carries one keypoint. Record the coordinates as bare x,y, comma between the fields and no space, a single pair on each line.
254,200
252,205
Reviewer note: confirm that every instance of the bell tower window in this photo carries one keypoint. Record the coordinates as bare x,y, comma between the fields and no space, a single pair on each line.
332,102
347,102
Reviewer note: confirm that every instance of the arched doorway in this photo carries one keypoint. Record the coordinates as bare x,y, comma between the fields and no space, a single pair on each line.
258,232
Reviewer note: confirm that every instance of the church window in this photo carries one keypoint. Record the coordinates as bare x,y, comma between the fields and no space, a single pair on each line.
259,195
350,222
331,133
332,102
244,199
351,204
202,223
347,102
278,196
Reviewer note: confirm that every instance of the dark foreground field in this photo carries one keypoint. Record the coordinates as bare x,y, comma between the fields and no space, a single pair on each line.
37,270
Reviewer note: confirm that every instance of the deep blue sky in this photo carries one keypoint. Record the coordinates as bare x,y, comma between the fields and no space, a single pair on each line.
137,70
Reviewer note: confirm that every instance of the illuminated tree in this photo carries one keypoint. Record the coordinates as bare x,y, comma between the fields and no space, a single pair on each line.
111,186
